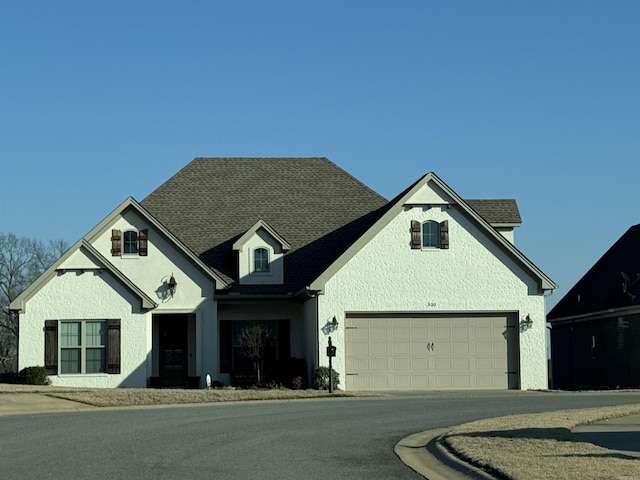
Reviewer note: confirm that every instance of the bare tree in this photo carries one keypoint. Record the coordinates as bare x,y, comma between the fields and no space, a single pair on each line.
254,339
22,260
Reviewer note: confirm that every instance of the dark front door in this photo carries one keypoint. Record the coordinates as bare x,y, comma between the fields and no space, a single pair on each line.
173,350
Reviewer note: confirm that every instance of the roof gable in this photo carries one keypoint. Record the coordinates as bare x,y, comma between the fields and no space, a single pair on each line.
441,193
261,224
131,203
102,265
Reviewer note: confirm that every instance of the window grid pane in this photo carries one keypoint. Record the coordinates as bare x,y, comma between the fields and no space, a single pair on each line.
70,334
70,360
261,260
96,360
431,234
130,242
96,334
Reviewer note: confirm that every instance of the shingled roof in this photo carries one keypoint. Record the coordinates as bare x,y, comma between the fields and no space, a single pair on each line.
317,207
497,212
612,282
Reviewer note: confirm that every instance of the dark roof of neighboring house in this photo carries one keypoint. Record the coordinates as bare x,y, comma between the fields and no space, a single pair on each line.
317,207
612,282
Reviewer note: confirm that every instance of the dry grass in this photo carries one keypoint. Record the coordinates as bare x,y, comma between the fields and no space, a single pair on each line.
540,446
127,397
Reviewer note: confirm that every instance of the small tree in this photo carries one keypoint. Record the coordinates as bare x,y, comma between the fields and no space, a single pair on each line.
254,339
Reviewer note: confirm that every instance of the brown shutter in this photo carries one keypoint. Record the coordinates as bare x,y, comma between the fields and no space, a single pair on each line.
113,346
116,248
444,234
142,242
51,347
416,234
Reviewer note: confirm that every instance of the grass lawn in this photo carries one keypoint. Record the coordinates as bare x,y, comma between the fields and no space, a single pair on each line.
540,446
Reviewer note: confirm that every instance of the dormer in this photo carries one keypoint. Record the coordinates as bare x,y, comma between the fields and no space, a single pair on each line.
261,255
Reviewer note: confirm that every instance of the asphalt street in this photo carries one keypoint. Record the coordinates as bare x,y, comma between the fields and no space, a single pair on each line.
311,439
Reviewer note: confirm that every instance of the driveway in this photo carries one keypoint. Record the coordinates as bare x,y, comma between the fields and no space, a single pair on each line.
312,439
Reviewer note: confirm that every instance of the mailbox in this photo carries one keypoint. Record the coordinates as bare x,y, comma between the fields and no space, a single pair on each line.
331,351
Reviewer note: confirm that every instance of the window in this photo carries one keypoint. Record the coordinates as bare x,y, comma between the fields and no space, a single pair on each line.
131,243
261,260
83,346
429,234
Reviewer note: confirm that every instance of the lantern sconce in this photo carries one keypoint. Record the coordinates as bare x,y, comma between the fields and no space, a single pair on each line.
526,322
330,326
171,285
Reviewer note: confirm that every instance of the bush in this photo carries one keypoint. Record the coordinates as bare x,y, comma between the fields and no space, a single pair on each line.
321,378
297,383
33,376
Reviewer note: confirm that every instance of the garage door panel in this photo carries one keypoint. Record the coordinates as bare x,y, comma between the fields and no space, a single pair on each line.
379,348
432,351
379,364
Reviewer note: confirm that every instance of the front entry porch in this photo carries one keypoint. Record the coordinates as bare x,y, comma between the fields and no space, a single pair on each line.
173,360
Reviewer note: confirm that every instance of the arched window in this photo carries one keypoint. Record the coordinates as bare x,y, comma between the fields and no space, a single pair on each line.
431,234
261,260
130,242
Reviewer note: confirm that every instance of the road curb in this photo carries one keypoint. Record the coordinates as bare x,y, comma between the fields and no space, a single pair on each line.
426,453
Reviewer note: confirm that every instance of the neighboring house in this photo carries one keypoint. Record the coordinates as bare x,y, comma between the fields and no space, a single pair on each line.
426,291
595,328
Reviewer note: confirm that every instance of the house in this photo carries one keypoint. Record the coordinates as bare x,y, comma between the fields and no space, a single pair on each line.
595,327
426,291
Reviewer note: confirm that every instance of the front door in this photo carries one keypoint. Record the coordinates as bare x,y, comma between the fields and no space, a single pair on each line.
173,350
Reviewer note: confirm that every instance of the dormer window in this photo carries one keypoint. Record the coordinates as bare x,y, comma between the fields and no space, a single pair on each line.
261,260
261,253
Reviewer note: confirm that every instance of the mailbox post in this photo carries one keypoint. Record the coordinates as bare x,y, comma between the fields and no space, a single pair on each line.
331,352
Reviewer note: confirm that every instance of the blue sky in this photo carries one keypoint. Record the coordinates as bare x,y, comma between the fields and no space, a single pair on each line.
537,101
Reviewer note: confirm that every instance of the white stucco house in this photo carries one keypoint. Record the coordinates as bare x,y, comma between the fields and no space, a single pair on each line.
426,291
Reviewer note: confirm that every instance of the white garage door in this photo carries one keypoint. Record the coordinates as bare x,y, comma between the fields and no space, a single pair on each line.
418,352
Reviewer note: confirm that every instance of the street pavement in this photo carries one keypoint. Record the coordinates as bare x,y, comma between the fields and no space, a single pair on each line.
422,451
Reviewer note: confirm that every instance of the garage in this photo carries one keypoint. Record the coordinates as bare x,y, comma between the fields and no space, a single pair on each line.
431,351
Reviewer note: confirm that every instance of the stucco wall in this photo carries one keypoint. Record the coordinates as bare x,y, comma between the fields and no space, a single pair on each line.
83,297
92,296
474,274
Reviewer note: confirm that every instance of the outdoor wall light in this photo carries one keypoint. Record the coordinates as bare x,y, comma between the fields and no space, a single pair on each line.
527,322
330,326
171,285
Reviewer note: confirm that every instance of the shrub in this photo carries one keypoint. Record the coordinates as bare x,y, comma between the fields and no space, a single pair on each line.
321,378
33,376
297,383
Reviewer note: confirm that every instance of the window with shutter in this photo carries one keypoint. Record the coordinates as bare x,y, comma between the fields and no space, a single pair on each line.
116,237
444,234
113,346
82,346
142,242
415,235
51,347
431,234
